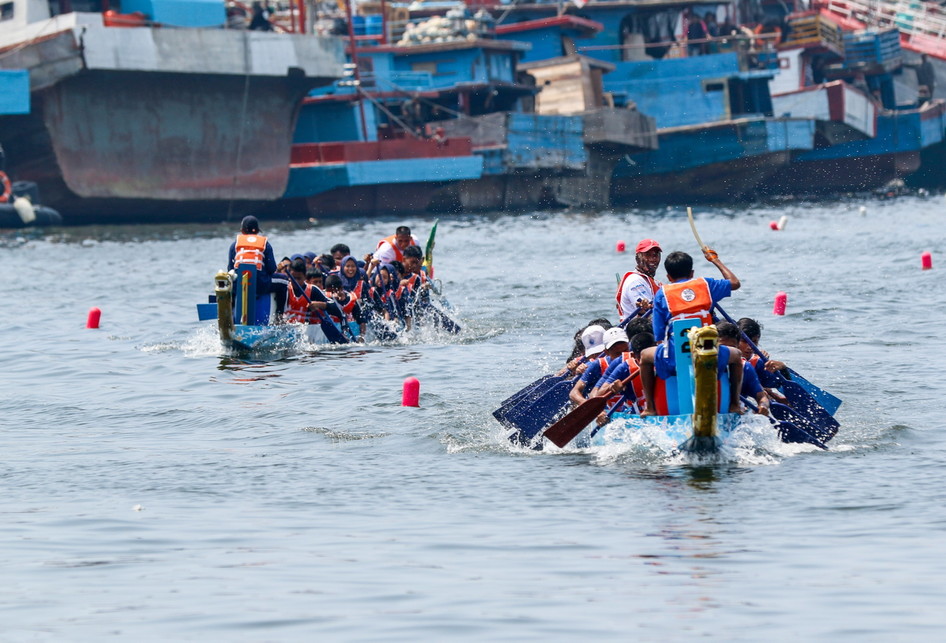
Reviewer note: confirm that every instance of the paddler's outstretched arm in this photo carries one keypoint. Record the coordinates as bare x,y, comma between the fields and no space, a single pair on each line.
727,274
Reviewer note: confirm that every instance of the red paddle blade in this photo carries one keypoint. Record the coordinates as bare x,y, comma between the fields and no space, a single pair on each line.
565,430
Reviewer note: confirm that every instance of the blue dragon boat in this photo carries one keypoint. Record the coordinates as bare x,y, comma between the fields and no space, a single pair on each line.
696,416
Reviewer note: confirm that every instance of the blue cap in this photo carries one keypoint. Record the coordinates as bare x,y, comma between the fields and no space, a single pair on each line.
295,256
310,255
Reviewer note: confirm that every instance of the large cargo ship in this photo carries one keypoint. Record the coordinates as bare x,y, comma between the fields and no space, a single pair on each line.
157,114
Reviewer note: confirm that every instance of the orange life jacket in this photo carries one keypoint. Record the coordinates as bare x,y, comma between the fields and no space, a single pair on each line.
688,300
654,287
297,306
346,308
392,240
250,248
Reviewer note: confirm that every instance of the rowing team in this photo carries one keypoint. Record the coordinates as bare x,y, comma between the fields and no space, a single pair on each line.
609,359
385,291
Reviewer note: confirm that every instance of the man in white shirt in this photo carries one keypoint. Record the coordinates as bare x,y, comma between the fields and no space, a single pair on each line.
391,248
638,287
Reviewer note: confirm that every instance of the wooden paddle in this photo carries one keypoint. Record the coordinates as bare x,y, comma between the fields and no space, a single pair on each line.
565,429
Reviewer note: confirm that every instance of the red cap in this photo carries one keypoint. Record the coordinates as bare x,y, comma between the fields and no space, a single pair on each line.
648,244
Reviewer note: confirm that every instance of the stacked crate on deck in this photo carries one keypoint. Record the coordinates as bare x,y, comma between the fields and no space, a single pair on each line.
814,32
872,51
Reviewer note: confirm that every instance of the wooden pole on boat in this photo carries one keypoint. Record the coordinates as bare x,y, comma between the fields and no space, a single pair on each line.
704,347
223,289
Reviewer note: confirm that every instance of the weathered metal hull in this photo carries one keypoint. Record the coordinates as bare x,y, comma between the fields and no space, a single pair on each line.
895,153
711,162
157,133
533,160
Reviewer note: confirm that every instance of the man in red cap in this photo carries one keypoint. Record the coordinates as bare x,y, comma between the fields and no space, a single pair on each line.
638,287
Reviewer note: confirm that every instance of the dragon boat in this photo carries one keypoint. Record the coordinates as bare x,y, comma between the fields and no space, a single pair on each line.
244,321
694,410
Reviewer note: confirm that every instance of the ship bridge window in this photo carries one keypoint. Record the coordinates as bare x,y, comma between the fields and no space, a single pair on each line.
715,86
58,7
6,11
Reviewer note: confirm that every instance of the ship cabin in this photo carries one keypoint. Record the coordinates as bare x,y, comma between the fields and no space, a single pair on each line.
653,65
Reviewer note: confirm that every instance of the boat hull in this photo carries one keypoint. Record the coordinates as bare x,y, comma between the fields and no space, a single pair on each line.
714,162
623,429
145,124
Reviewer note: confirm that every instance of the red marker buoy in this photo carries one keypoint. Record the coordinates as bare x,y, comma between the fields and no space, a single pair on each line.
410,395
781,300
621,247
927,260
773,225
95,315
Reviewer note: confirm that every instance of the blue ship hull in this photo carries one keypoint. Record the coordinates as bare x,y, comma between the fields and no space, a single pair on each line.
711,162
868,163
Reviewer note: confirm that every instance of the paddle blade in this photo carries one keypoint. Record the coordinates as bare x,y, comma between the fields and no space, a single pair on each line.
829,402
791,433
816,420
332,333
531,392
803,422
565,430
531,419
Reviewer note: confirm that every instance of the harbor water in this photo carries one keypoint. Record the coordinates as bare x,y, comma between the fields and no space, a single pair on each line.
155,487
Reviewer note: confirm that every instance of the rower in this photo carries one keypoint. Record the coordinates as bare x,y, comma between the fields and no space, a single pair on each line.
351,319
613,343
729,336
392,248
638,287
686,297
765,370
252,255
622,368
304,299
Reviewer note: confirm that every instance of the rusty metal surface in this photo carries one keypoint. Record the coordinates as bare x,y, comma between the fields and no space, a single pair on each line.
127,135
48,59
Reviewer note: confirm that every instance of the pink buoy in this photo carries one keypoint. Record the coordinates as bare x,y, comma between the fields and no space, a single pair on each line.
781,300
410,395
621,247
927,260
95,314
773,225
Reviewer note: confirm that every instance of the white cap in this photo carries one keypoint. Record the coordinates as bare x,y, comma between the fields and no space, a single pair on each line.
593,340
613,336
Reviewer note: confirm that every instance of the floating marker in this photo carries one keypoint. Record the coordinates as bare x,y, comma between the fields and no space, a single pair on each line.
773,225
95,315
781,300
410,395
621,247
927,260
782,222
863,210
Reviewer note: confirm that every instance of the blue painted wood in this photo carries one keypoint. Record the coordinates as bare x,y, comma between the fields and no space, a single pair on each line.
192,13
327,121
206,311
311,180
535,141
684,362
14,91
705,145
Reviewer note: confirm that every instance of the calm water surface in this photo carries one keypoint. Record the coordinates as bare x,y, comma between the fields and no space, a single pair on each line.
152,486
